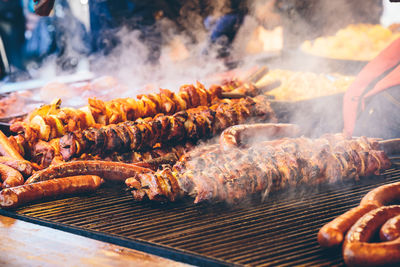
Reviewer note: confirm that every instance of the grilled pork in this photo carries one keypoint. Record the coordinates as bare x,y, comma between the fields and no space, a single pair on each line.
209,174
142,134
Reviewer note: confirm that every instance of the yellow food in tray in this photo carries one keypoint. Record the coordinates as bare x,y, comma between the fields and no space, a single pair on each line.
355,42
297,86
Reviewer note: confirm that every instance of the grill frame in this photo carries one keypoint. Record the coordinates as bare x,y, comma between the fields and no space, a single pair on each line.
185,241
163,251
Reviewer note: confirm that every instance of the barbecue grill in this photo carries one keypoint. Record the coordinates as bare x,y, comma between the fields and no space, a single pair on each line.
281,231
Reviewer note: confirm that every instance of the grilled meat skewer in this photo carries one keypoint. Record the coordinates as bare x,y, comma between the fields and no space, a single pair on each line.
149,159
48,153
192,124
262,168
52,121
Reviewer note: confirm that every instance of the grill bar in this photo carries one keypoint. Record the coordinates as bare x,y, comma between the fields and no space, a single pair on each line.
281,231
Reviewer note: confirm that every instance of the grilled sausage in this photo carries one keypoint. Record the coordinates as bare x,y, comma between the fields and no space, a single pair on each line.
235,135
382,195
356,249
6,149
332,234
113,171
23,166
10,176
16,196
391,229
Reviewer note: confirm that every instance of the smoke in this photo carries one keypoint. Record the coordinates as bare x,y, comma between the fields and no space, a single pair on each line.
165,55
185,56
315,116
185,53
242,174
180,62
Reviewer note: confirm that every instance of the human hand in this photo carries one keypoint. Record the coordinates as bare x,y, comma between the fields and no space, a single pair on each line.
43,7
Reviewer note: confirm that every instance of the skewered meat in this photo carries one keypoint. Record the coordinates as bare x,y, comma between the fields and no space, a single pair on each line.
51,121
47,153
162,155
166,102
261,168
44,153
239,87
192,124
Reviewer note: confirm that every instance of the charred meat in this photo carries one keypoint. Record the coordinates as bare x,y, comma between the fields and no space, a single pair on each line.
208,174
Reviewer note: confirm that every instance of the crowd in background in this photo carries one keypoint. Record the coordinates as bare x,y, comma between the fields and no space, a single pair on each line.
28,38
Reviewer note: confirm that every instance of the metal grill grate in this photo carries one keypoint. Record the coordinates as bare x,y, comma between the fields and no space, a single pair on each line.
280,232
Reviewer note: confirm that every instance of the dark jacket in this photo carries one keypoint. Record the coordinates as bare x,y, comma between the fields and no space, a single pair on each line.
12,30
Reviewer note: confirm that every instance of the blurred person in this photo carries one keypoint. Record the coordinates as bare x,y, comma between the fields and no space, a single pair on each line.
40,35
61,34
371,105
221,18
107,18
111,15
12,29
72,39
224,26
